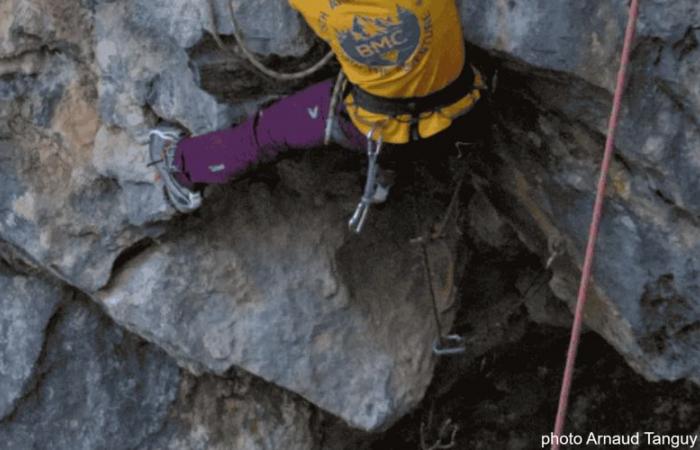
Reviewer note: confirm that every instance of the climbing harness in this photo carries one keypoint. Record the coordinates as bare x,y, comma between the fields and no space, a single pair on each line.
373,192
254,60
595,224
416,108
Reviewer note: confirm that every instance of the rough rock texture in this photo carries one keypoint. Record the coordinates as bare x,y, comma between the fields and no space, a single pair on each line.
289,298
549,143
54,203
265,278
504,392
95,386
82,83
27,305
240,413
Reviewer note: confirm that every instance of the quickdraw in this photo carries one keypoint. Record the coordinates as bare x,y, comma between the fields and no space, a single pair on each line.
444,344
373,192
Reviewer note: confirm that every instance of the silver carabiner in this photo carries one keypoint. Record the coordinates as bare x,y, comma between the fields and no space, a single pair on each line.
359,217
452,344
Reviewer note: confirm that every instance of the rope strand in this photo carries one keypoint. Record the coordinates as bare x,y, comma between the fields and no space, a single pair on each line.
255,61
595,224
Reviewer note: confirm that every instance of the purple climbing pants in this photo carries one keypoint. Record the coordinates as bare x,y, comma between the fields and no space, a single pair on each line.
295,122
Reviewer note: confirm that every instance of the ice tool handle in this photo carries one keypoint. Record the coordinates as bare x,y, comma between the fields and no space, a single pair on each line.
359,217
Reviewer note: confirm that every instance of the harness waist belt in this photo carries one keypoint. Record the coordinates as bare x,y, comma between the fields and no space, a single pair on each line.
414,106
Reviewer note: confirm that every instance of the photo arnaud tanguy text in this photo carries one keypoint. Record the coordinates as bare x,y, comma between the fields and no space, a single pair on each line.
639,438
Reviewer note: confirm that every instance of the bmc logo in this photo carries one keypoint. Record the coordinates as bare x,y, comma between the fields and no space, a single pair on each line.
377,42
382,45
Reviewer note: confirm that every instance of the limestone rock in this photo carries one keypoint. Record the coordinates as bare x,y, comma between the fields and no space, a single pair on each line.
75,199
80,201
265,277
54,204
98,387
143,65
646,300
240,413
27,305
291,297
268,26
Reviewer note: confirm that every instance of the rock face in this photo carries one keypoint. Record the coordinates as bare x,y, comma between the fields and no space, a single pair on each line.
98,388
56,204
290,298
87,384
27,305
265,278
240,413
549,144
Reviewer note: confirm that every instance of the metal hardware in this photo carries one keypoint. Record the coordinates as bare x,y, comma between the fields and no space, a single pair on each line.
359,217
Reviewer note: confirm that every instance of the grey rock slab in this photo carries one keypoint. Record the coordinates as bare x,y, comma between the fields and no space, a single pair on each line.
645,300
567,36
68,217
268,279
98,387
583,39
30,26
141,66
268,26
141,53
77,196
59,202
27,303
84,383
651,230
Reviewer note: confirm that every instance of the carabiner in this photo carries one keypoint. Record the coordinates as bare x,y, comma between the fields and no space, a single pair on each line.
452,344
359,217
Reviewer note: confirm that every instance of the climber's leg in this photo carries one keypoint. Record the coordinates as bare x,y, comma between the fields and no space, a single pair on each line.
295,122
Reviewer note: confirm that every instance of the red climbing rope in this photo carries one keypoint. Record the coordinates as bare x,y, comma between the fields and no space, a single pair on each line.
595,222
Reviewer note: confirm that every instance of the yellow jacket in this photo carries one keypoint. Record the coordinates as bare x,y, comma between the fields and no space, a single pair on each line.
394,48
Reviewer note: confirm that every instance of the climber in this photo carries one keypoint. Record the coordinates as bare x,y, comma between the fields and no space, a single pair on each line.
408,79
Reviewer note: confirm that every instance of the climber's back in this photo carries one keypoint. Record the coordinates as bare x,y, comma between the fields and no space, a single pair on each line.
397,49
